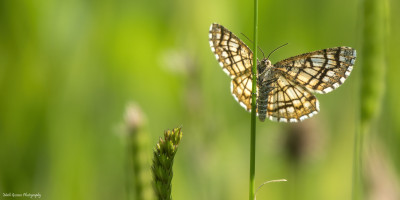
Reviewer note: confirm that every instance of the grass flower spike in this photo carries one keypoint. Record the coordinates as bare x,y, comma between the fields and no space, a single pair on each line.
163,160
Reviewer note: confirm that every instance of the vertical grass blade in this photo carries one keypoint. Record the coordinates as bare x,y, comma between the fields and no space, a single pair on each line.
372,68
253,107
137,166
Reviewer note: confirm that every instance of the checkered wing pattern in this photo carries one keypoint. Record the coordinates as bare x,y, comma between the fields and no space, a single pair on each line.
284,90
320,71
283,100
235,58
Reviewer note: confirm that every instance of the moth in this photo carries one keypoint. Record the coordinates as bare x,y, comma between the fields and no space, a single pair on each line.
284,89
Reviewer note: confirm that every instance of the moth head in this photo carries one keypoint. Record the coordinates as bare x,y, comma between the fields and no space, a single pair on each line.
264,67
266,63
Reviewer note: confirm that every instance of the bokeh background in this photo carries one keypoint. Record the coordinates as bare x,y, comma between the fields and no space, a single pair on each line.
68,70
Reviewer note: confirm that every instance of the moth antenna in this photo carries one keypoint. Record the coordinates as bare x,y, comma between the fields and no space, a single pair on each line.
253,43
261,51
275,50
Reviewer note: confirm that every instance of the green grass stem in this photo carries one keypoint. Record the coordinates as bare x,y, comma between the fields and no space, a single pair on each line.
372,66
138,183
253,107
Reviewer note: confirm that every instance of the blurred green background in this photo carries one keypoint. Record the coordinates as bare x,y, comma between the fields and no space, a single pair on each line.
69,68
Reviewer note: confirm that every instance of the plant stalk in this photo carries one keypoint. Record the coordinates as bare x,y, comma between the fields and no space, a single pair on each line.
372,83
253,107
